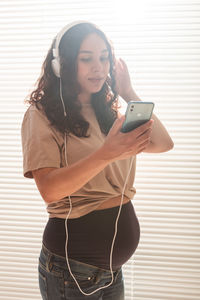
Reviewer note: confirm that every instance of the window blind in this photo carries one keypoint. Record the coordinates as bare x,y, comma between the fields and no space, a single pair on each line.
160,41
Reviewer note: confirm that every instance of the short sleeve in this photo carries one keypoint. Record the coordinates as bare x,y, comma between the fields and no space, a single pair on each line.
39,145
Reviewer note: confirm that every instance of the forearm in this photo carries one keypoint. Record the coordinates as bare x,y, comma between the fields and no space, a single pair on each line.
160,139
63,182
130,96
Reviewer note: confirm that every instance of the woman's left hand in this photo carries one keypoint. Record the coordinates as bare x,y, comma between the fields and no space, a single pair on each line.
123,82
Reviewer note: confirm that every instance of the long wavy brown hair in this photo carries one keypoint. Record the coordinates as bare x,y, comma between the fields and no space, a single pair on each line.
47,93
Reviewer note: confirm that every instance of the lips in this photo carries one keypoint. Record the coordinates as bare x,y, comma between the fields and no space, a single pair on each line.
95,79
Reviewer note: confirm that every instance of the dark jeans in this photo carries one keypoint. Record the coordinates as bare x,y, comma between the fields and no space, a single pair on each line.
56,282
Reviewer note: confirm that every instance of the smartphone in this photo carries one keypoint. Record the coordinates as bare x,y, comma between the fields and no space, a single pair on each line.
137,113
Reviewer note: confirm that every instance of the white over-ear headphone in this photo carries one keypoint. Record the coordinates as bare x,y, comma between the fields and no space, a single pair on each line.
55,63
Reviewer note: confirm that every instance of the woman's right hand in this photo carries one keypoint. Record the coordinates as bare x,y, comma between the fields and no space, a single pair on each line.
119,145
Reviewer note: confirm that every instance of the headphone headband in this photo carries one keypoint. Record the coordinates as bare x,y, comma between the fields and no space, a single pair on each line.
55,63
61,33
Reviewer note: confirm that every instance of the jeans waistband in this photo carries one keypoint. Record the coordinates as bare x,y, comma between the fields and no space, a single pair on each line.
77,266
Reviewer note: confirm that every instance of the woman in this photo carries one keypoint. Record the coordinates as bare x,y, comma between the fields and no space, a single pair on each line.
84,166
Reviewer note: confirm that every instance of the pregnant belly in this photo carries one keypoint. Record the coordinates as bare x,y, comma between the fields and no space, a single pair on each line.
91,240
90,236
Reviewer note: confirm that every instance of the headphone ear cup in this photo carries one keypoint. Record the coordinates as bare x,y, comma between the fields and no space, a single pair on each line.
56,66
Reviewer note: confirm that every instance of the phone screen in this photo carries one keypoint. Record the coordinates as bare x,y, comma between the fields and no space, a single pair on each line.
137,113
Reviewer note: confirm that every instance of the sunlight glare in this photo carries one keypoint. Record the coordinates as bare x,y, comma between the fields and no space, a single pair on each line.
129,10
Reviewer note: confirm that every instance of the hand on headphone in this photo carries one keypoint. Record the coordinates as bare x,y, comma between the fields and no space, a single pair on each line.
123,84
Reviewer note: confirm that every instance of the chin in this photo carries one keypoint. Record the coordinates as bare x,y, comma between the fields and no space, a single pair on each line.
97,90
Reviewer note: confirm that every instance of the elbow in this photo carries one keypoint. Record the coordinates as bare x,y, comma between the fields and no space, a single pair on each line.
161,147
46,185
48,196
46,191
47,200
169,145
45,195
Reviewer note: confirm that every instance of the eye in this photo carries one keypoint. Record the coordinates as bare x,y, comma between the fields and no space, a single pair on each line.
85,59
104,58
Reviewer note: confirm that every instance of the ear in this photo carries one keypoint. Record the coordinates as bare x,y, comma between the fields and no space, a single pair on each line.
56,66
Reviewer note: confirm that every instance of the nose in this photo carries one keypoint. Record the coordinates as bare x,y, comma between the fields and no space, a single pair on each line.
96,66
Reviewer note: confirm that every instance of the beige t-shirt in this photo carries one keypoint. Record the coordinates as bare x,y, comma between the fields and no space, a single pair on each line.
43,146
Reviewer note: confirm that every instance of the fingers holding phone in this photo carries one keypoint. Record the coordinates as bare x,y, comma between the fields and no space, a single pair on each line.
140,137
144,135
119,145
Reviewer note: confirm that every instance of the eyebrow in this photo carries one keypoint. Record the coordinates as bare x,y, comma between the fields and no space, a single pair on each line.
87,51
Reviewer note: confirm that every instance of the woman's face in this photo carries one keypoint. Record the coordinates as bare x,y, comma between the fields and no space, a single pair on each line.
93,66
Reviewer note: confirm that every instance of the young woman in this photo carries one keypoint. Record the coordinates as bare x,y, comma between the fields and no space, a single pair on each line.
84,166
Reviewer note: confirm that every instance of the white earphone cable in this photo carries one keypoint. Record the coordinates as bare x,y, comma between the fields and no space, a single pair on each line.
70,210
112,246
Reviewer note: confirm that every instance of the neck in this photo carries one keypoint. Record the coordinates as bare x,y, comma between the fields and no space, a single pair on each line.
84,98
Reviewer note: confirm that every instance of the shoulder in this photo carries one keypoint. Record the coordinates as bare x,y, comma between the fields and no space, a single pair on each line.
35,112
35,120
36,124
